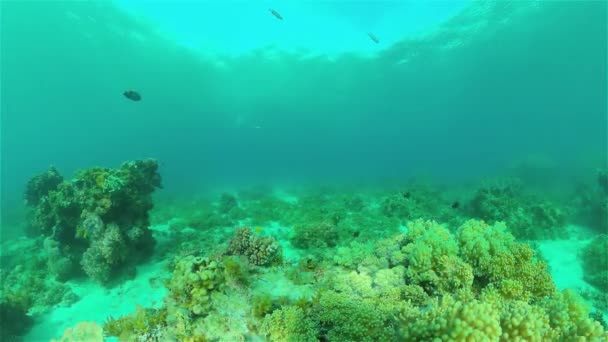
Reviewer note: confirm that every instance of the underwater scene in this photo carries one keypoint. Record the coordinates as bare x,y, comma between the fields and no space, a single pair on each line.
301,171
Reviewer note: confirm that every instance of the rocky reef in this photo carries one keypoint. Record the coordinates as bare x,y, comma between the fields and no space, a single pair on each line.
96,222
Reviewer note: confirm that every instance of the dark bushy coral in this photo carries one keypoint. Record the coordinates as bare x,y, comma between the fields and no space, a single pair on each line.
14,321
39,186
595,262
100,218
592,203
260,250
314,235
526,216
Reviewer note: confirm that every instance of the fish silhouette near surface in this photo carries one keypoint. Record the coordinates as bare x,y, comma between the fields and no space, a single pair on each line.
373,37
276,14
132,95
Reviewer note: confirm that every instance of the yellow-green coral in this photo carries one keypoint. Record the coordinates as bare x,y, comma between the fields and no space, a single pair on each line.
498,260
193,281
347,318
432,259
450,319
290,324
144,322
569,318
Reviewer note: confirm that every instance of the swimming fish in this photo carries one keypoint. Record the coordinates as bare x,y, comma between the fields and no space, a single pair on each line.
373,37
406,194
132,95
276,14
455,205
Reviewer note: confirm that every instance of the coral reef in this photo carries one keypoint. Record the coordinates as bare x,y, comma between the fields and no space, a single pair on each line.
144,325
595,263
314,235
260,250
526,216
592,203
356,267
98,220
14,321
290,324
83,331
39,186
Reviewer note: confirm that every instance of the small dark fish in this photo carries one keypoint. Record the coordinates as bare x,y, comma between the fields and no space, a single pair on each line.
356,233
373,37
455,205
406,194
276,14
132,95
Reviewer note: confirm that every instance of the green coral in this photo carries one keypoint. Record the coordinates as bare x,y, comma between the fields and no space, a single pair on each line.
290,324
526,216
194,280
432,259
80,214
260,250
449,319
14,321
143,325
499,261
569,318
40,186
345,318
314,235
595,262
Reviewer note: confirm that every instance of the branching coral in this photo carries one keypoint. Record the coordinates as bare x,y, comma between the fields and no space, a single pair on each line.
526,216
344,318
144,325
499,261
260,250
432,259
314,235
14,321
290,324
592,203
449,319
595,262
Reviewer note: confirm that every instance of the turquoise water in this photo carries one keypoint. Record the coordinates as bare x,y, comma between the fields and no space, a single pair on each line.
327,133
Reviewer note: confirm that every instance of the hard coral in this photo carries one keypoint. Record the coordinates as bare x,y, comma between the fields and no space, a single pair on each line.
146,325
525,216
39,186
261,251
432,259
193,281
344,318
98,218
106,251
314,235
498,260
595,262
450,319
290,324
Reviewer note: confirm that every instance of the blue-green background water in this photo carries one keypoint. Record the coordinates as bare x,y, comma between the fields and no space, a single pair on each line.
233,96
